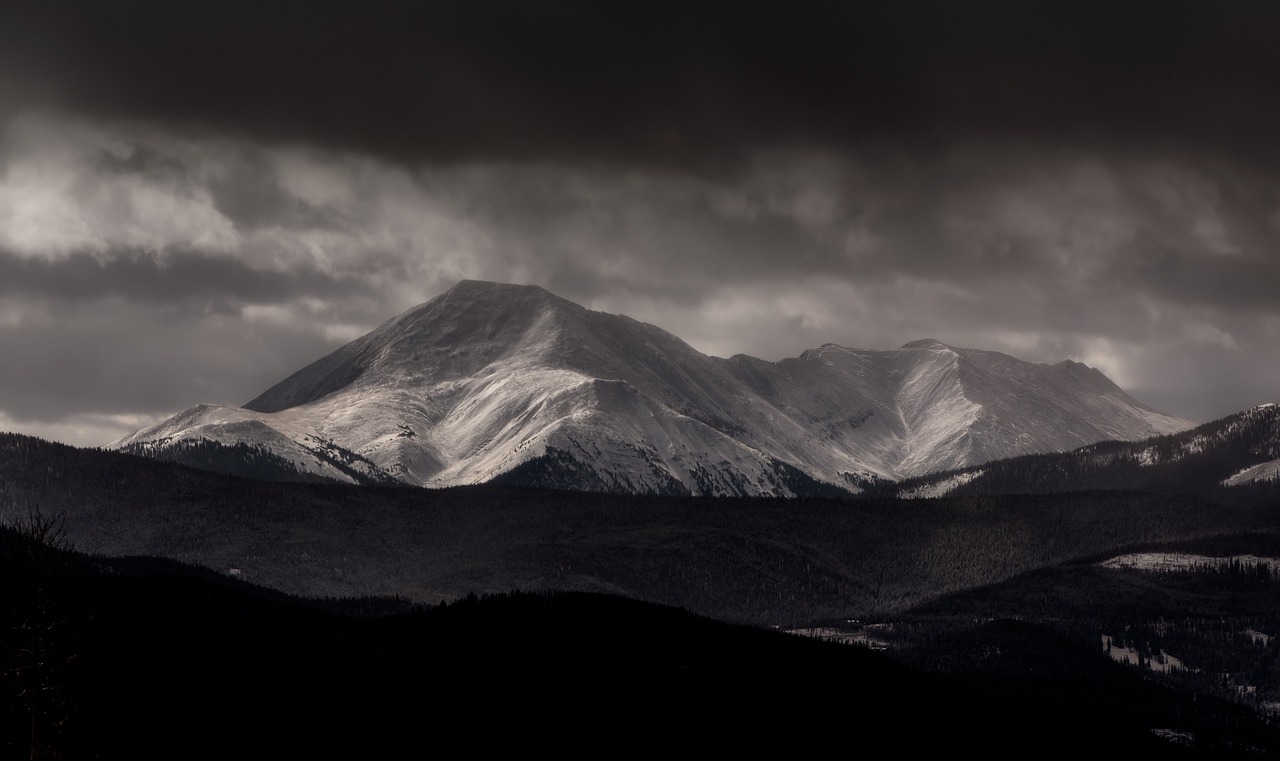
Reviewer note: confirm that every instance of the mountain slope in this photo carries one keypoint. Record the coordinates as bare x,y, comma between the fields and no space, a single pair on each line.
490,381
1236,451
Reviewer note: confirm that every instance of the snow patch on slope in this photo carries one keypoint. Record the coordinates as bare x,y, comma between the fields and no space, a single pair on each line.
942,487
1267,471
229,426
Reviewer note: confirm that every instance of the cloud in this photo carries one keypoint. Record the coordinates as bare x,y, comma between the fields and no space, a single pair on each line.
69,186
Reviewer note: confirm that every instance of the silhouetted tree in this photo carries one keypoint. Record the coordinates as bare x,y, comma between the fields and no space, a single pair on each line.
37,652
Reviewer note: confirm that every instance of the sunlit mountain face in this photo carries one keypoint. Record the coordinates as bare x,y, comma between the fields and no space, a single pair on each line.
503,382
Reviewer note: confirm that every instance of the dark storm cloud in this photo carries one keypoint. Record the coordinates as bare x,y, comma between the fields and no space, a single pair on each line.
661,81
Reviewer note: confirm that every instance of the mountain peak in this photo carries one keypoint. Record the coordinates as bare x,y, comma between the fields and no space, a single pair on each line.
488,295
925,343
453,335
488,287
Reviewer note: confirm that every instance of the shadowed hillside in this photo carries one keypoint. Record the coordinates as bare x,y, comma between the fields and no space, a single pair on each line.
772,562
151,659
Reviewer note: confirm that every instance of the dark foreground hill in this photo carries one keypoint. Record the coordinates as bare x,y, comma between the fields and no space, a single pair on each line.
139,659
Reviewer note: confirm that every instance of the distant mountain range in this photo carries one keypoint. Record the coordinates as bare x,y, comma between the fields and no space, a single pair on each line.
511,384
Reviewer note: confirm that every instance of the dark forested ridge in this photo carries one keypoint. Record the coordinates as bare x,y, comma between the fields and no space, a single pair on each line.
762,561
151,659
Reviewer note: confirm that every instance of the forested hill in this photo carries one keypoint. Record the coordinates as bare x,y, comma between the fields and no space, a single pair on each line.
151,660
763,561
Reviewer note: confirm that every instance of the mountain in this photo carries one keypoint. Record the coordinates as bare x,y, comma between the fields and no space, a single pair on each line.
508,383
1240,452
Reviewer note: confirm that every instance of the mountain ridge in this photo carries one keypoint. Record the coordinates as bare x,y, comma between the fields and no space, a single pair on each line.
489,380
1235,452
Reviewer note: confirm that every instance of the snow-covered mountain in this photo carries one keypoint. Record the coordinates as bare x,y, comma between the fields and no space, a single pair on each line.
1237,450
511,383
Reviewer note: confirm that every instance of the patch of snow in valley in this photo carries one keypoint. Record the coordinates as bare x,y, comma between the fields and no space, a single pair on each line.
1161,663
858,637
1258,638
1176,736
1179,561
1267,471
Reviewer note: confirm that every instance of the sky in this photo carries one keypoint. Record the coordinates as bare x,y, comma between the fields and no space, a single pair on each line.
199,198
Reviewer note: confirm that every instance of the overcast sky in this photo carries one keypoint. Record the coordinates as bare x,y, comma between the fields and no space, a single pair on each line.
198,198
